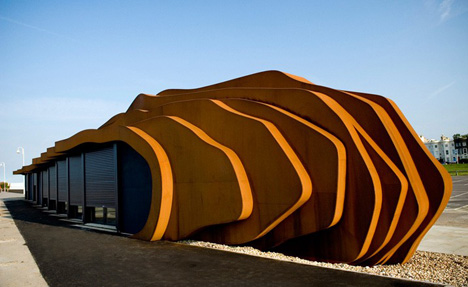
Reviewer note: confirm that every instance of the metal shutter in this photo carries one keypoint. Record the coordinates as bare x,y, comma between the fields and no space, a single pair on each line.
26,185
34,186
45,183
62,184
39,187
76,180
100,178
30,186
52,183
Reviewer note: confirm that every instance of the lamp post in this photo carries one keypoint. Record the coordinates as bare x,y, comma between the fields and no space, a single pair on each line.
21,150
4,178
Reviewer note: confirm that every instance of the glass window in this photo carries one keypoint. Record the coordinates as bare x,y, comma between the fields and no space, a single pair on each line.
104,215
99,215
464,143
446,152
435,146
446,145
111,218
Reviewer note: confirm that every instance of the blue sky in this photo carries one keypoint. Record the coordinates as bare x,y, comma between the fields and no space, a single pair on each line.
66,66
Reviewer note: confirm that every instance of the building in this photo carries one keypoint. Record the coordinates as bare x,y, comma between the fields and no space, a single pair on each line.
270,160
443,150
461,146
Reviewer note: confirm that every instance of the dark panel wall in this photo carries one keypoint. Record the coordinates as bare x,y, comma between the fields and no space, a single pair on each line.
52,183
34,187
76,180
27,188
62,184
135,189
100,178
39,187
45,183
31,186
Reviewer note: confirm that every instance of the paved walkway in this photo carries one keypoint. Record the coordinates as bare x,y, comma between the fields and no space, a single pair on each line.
450,232
17,265
70,256
75,257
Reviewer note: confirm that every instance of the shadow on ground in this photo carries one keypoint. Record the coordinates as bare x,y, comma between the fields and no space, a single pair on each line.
70,256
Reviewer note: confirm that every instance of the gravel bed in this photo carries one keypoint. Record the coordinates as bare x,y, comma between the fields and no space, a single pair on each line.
424,266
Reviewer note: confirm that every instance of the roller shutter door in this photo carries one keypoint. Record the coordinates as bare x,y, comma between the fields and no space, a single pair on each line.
34,186
76,180
27,180
31,186
52,183
45,183
62,183
101,178
39,187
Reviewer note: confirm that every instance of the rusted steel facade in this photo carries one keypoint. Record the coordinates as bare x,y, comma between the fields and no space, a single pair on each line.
269,160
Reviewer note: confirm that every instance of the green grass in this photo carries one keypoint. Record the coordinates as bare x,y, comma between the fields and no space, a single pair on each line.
452,168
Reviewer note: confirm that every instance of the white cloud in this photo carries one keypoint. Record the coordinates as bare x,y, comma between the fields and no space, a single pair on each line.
441,90
35,28
445,8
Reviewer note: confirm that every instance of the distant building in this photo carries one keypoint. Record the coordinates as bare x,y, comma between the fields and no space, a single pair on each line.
461,146
444,149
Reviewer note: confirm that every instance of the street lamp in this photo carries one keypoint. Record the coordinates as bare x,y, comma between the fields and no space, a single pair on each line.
4,178
21,150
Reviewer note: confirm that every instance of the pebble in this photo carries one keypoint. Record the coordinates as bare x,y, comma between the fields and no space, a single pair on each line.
425,266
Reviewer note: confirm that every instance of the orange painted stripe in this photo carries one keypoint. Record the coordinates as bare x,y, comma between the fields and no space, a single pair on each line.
341,151
293,158
242,179
167,187
351,125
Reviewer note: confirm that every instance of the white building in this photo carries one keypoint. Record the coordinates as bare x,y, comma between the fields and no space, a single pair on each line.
443,150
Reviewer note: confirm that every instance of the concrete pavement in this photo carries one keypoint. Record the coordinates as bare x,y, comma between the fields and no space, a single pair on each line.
450,232
70,256
17,265
101,259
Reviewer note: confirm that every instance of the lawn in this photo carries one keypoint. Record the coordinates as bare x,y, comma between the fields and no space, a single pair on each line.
453,168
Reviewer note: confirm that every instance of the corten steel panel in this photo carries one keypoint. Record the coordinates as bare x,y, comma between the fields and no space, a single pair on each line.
435,179
224,93
312,144
100,179
416,201
203,194
45,183
361,180
62,181
377,194
76,180
52,183
258,143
